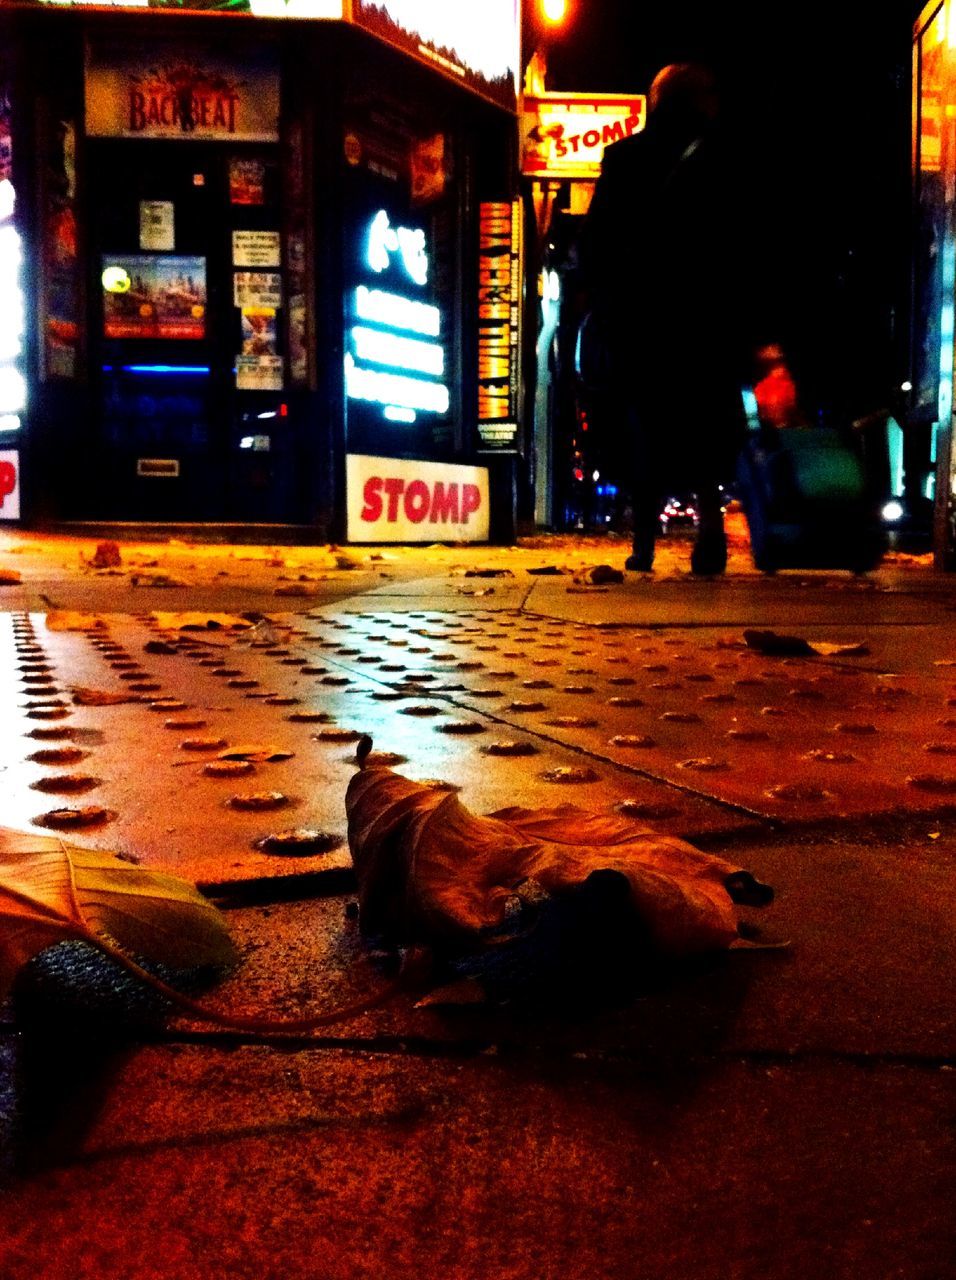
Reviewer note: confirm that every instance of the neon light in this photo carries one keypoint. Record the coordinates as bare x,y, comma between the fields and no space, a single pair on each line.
164,369
384,240
401,353
395,414
397,312
13,390
394,389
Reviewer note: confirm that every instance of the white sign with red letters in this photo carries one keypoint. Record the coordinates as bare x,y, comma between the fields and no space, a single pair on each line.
394,500
9,484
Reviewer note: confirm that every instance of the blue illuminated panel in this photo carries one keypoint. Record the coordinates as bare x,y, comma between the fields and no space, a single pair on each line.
394,355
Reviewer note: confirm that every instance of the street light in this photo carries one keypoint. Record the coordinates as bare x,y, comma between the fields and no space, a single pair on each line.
554,10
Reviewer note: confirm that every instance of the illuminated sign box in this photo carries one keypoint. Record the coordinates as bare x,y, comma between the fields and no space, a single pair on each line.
473,41
563,135
394,358
395,500
9,484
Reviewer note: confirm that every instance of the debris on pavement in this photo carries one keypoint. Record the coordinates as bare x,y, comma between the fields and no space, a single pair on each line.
432,873
773,644
106,556
53,892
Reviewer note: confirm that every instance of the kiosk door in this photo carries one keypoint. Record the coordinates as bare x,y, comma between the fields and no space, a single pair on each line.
173,310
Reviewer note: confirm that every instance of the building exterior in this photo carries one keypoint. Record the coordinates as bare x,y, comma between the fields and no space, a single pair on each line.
259,264
931,461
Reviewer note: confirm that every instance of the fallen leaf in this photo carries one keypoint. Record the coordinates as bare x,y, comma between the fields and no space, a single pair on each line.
52,892
199,621
156,580
431,872
72,620
598,575
84,697
106,556
776,645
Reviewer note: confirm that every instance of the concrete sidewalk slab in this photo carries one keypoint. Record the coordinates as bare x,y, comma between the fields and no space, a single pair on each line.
250,1163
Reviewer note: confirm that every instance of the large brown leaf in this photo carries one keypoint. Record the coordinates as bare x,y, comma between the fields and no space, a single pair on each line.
51,891
432,872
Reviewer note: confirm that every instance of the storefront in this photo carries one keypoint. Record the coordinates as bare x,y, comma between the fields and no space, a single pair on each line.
243,265
930,464
578,476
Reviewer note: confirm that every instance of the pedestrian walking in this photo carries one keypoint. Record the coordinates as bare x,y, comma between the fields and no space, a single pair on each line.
665,247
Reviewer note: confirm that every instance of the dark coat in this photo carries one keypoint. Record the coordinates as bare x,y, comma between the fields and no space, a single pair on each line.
664,255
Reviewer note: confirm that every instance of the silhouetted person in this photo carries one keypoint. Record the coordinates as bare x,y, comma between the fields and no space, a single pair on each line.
663,255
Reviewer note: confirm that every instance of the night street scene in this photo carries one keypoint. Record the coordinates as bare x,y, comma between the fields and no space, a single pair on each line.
477,647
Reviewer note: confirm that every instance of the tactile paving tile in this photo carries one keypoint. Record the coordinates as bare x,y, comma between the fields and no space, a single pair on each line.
304,686
788,738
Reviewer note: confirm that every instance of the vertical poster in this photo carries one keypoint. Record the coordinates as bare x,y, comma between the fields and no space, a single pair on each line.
157,225
61,276
296,256
499,305
247,181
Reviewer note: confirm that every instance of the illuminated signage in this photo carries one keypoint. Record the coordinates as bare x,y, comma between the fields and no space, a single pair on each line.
170,92
257,8
393,500
499,295
390,359
9,483
13,387
564,134
473,41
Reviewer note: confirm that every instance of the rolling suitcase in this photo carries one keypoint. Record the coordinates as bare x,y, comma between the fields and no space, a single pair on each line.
807,502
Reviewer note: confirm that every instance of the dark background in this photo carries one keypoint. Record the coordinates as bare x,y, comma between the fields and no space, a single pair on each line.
817,96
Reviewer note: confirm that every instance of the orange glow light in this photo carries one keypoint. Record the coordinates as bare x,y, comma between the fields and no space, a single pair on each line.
554,10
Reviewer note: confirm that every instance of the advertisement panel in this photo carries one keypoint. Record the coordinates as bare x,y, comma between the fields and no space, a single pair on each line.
563,135
473,41
195,93
255,8
395,500
499,311
152,296
9,484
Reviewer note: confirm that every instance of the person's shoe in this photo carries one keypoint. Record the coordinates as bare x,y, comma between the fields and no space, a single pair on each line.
709,556
640,563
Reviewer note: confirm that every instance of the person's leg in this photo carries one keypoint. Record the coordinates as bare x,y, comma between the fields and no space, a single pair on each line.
645,498
709,555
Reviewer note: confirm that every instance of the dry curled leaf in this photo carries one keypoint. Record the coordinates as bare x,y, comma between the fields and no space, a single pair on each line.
97,697
73,620
430,871
52,892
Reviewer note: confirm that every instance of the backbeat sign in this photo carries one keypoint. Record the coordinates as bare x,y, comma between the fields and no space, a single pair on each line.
395,500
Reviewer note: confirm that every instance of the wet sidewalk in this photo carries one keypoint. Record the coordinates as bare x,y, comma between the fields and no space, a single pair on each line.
777,1113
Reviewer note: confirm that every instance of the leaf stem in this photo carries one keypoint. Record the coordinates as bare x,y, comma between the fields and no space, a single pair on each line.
263,1025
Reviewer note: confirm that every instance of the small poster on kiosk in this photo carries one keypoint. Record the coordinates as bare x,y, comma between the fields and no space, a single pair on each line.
153,296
